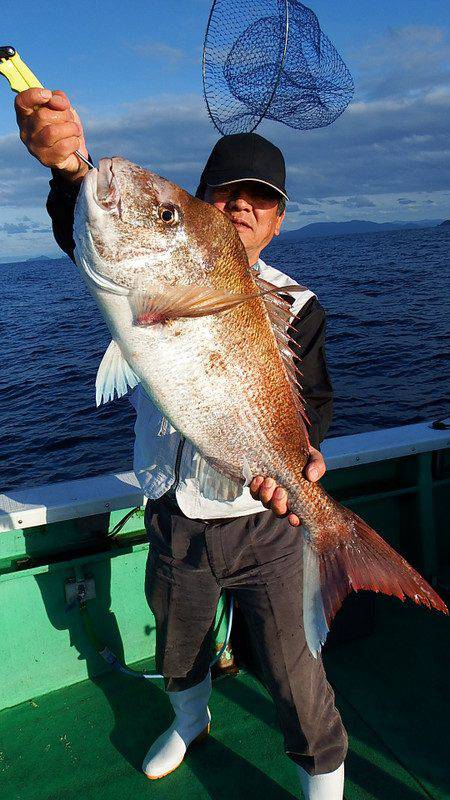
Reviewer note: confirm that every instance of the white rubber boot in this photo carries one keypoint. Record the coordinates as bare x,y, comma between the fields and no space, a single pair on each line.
191,724
329,786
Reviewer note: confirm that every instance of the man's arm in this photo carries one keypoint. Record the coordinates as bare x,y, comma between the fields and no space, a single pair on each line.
51,130
308,333
60,206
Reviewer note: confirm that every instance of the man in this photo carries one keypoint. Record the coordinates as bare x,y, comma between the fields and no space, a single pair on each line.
199,545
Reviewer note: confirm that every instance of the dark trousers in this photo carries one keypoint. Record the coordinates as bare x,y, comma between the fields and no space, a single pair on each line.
258,558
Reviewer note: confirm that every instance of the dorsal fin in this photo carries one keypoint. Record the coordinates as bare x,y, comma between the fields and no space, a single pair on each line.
279,311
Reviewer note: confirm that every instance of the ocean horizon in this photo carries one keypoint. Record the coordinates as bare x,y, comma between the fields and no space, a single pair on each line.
386,296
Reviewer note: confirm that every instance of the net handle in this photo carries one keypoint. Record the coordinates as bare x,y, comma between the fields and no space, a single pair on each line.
283,58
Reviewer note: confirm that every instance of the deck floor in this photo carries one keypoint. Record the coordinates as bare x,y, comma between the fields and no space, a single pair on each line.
392,688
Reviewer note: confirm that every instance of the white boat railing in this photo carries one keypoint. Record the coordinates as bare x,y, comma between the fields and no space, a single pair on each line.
57,502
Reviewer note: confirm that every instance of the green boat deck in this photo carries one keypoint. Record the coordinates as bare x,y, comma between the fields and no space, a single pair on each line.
88,740
71,728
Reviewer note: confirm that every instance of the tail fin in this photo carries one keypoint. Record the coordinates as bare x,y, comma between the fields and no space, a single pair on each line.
361,560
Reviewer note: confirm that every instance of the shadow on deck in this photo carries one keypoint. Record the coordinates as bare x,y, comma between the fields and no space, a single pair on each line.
87,741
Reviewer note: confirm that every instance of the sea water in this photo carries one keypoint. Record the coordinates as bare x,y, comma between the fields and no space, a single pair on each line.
386,297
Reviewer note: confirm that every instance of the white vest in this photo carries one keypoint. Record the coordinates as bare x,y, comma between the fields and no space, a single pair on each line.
157,445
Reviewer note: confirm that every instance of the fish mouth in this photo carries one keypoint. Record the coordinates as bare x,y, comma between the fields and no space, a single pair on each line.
107,193
101,189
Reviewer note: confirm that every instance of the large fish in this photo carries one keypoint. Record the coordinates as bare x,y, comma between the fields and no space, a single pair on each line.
209,343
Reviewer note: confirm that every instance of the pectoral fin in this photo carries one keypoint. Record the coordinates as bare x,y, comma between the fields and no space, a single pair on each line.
174,302
114,375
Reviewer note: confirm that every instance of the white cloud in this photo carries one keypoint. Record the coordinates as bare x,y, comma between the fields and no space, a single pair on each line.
159,51
392,142
21,226
311,213
404,62
357,201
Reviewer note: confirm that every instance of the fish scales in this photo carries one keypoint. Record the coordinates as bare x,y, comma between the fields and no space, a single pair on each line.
189,321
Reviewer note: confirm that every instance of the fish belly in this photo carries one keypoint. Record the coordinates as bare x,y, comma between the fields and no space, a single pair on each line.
208,389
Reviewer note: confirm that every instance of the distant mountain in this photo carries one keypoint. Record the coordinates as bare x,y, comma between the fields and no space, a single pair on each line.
445,224
353,226
13,259
40,258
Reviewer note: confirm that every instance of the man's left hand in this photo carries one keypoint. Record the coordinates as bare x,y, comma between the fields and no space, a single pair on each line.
274,497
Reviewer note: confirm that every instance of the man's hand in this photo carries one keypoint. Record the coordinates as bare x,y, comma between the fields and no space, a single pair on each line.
51,130
274,497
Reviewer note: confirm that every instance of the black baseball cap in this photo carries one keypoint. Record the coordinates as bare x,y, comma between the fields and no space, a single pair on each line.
244,157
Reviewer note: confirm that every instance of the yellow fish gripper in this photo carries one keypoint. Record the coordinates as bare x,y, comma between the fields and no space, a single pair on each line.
16,71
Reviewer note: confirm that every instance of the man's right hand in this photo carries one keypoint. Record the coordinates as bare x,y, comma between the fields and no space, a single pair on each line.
51,130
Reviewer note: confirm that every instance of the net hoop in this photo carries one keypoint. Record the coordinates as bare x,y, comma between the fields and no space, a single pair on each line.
270,59
263,112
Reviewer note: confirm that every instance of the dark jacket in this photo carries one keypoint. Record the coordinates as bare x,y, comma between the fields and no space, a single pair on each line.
308,326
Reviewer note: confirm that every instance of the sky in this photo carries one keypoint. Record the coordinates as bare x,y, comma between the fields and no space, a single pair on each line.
133,72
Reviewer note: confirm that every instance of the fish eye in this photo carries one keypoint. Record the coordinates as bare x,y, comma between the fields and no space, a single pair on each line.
168,214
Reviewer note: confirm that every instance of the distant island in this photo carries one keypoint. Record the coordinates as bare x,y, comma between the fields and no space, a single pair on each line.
40,258
316,229
355,226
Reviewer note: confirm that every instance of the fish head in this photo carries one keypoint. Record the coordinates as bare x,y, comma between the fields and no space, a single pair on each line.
135,230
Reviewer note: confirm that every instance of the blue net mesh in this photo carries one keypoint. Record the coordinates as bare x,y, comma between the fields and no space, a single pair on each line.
269,58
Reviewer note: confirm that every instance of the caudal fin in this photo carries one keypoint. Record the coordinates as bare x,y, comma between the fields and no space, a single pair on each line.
362,560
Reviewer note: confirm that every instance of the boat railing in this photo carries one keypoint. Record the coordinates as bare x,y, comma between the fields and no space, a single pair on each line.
56,502
90,533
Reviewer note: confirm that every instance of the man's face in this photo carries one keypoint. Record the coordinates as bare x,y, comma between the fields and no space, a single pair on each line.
253,209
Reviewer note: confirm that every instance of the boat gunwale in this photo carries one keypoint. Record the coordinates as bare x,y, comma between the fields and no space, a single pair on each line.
84,497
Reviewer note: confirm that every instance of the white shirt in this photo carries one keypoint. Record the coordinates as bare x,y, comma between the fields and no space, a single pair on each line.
158,444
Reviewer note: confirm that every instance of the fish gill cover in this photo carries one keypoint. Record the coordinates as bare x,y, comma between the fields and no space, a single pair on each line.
270,59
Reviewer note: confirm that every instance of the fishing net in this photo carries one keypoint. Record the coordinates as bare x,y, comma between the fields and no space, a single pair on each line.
269,58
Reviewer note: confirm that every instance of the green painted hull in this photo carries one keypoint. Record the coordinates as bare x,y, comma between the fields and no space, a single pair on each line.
391,686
